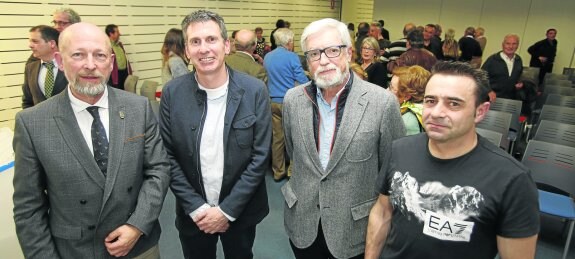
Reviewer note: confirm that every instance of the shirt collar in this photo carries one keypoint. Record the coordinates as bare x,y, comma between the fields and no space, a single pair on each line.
505,57
79,105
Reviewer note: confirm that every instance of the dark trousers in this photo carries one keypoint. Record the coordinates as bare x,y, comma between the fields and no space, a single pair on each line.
122,75
237,244
317,250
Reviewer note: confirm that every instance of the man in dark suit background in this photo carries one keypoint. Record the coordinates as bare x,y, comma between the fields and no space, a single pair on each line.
42,78
61,19
216,126
543,54
76,194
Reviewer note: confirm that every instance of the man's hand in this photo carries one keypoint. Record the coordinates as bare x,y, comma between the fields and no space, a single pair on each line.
258,59
543,59
519,85
122,240
492,96
212,221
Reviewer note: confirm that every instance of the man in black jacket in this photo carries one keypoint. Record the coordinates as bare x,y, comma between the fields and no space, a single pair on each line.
504,69
543,54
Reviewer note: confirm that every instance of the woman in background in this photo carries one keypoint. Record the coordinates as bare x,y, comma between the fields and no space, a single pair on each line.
450,47
408,84
376,71
174,61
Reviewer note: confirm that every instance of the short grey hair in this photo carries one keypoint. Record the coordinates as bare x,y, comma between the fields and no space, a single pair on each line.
204,16
73,16
321,25
283,36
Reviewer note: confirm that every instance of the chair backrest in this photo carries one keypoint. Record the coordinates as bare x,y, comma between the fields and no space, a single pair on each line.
559,82
560,100
510,106
148,89
551,164
492,136
556,132
557,113
499,122
552,76
561,90
130,83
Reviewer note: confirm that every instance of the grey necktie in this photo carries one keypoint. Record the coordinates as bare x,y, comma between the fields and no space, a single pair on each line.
99,140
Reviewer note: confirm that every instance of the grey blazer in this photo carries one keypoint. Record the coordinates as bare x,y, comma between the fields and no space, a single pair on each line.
31,93
64,207
343,194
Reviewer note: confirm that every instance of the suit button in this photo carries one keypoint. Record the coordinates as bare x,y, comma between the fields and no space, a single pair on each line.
92,227
83,202
193,128
324,179
130,189
317,206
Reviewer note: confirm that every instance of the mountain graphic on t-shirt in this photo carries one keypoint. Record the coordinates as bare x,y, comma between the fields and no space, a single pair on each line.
411,198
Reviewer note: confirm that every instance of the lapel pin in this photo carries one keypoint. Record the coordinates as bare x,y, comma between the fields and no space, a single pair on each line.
122,115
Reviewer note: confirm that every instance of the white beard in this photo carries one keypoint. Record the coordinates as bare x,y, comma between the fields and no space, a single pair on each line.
334,81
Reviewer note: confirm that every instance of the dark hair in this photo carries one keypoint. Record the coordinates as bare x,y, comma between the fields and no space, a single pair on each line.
363,29
280,23
204,16
234,34
259,29
351,26
415,39
551,29
478,76
110,28
381,22
174,43
48,33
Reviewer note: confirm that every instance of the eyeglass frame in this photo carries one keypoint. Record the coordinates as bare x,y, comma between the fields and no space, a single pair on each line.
60,23
322,51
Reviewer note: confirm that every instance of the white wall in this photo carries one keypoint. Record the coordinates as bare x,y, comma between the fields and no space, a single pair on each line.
143,24
357,11
527,18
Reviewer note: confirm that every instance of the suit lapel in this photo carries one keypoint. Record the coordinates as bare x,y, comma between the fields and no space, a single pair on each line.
116,140
305,123
34,83
68,126
60,83
354,110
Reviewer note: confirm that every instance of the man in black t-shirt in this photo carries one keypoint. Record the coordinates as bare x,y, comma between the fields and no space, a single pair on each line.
449,193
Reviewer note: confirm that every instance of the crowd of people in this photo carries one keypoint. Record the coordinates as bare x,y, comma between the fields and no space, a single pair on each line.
93,165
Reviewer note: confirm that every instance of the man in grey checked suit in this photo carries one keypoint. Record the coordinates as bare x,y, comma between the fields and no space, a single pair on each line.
338,131
37,87
67,204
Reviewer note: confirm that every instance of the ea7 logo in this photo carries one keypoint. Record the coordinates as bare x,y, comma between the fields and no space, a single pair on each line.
445,228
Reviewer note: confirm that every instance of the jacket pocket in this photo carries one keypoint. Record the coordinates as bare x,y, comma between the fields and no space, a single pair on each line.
362,209
66,232
358,227
244,130
362,146
289,195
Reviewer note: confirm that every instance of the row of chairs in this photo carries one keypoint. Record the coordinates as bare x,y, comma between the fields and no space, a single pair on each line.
147,89
550,154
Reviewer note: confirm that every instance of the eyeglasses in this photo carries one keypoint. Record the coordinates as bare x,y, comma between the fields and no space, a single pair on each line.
60,23
365,48
330,52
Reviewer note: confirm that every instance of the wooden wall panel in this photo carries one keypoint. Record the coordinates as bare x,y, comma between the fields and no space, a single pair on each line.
143,25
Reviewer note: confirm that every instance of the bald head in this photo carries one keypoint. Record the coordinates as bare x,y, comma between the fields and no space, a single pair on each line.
83,32
245,40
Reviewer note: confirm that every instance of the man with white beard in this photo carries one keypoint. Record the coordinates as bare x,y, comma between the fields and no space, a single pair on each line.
338,131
